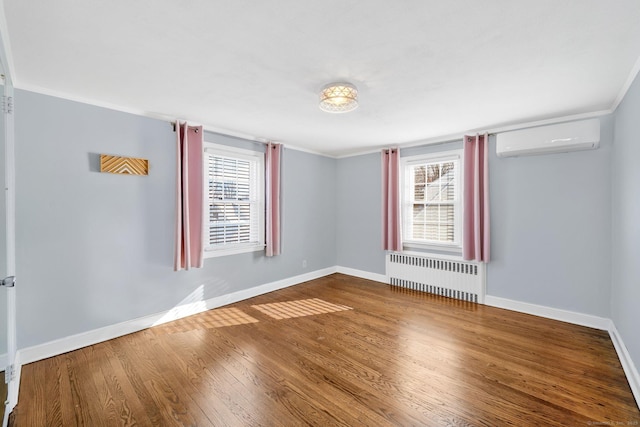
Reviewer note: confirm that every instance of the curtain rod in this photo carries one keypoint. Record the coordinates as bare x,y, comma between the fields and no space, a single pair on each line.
173,125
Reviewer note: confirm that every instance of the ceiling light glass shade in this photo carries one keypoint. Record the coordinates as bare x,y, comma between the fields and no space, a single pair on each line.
339,98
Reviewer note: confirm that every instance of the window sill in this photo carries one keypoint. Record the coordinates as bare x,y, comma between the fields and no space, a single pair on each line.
214,253
422,248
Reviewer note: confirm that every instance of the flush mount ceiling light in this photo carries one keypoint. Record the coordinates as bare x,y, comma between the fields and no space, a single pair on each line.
339,98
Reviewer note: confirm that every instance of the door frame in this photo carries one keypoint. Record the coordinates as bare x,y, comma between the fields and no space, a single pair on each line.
13,368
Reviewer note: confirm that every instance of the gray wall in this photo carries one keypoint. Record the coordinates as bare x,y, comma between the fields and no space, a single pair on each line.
550,228
359,206
550,225
95,249
626,221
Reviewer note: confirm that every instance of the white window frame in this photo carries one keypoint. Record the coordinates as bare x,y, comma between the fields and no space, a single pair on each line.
238,153
406,197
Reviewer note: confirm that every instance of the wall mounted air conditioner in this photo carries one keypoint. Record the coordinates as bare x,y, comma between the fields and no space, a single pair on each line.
560,138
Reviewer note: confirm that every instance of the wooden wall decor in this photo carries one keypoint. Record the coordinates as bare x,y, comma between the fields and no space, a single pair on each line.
124,165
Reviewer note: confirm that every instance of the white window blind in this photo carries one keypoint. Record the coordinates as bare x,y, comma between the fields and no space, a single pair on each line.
431,200
234,199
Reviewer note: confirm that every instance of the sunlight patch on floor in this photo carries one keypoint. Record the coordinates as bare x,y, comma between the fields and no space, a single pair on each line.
299,308
218,318
222,317
227,317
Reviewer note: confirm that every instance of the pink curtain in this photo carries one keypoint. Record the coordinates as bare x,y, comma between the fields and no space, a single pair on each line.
476,229
189,198
272,184
391,237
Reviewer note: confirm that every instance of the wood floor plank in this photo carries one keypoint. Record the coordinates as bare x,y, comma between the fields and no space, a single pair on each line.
454,363
84,393
128,409
52,386
167,389
447,381
226,381
175,369
248,371
228,405
341,404
32,389
395,358
137,369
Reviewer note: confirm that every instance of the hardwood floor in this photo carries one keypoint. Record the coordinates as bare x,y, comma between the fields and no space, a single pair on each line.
377,356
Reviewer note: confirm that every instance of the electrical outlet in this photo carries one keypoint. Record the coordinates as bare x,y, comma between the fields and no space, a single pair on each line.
304,263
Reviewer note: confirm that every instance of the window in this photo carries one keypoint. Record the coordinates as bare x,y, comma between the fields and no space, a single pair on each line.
431,195
234,200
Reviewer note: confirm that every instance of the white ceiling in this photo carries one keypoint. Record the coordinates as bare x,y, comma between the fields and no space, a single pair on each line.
424,68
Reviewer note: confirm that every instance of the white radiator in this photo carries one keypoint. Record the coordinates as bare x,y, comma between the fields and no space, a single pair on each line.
463,280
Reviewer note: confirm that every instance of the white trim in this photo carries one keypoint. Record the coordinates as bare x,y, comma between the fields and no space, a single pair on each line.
376,277
7,56
630,370
13,388
434,157
307,150
549,312
427,254
231,151
552,121
454,137
142,113
115,107
256,202
407,199
74,342
235,250
457,137
10,210
430,248
162,117
625,88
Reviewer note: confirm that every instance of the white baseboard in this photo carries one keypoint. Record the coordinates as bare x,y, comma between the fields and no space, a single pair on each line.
630,370
14,384
629,367
549,312
74,342
13,388
363,274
